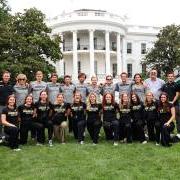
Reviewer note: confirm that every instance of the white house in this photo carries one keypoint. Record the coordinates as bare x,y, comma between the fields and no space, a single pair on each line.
101,43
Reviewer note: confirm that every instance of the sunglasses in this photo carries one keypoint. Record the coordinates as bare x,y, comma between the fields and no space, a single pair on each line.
21,79
109,79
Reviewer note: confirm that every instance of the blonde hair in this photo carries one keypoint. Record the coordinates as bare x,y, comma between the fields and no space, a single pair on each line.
21,76
88,102
145,101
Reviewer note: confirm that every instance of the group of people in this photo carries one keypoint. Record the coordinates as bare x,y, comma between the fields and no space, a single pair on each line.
128,111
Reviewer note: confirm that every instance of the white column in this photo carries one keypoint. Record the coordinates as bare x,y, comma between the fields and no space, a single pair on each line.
119,60
91,51
61,62
75,57
107,53
124,62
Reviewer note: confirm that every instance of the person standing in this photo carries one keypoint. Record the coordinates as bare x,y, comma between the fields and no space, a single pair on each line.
10,122
68,90
171,88
138,87
21,89
154,84
37,86
6,89
53,88
81,86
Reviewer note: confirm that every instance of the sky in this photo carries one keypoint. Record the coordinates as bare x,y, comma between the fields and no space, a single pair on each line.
139,12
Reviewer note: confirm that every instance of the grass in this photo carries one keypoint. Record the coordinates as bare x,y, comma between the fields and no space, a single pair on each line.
104,161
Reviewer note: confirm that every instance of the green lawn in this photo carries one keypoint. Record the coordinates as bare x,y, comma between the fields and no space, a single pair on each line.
104,161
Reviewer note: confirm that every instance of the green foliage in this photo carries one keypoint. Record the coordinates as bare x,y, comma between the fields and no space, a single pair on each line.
26,45
165,55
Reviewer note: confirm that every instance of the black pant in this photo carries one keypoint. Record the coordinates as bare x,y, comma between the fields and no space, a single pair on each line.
78,129
111,130
13,133
93,127
24,128
138,130
125,129
165,133
40,128
70,123
154,129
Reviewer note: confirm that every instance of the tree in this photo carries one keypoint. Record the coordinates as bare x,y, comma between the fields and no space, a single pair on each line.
31,46
165,55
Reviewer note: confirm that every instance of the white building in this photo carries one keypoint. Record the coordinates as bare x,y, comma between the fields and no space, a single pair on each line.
101,43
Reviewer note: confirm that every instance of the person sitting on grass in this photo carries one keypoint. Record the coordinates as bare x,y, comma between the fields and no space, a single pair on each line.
167,116
9,118
59,117
78,115
110,122
93,117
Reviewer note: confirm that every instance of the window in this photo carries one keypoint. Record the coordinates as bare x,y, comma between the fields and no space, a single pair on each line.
79,67
78,43
129,70
114,46
95,67
114,70
64,68
144,68
95,43
143,48
129,48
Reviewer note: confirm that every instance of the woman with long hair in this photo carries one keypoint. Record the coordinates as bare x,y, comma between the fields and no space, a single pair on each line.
166,116
125,119
78,115
138,87
110,122
42,112
59,117
137,117
26,115
151,118
9,119
94,123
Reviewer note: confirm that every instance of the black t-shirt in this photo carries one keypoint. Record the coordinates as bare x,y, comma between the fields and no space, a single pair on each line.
165,113
42,111
170,89
137,112
78,111
5,91
109,112
11,115
151,112
125,114
26,113
93,112
58,112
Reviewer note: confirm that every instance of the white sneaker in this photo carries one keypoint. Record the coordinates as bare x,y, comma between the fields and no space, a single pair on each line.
115,144
17,149
94,144
144,142
81,142
157,144
50,143
39,144
63,143
178,135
